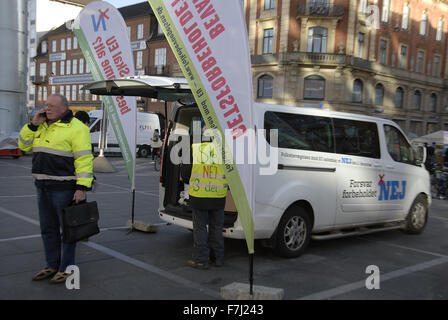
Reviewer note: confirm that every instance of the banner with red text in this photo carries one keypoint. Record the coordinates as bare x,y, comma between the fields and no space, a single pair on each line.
103,38
209,39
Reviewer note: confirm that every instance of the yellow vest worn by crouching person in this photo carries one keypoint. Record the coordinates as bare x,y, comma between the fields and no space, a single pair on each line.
207,175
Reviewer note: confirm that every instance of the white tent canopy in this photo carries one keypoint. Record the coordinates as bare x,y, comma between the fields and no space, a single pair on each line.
439,137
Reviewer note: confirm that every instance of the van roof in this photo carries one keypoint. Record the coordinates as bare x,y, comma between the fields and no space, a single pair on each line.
318,112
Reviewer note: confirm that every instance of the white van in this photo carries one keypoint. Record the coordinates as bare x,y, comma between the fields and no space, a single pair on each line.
338,174
147,122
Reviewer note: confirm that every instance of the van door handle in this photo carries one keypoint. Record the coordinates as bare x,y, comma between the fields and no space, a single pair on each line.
390,166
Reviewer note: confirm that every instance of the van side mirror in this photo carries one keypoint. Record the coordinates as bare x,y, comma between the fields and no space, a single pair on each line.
420,155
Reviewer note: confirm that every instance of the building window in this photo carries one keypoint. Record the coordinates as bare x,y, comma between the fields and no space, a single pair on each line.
75,66
75,43
129,32
357,91
39,93
379,94
69,43
74,96
269,4
432,102
53,68
424,24
81,66
45,94
159,29
405,18
67,92
317,40
87,95
265,86
160,59
43,69
385,11
69,67
62,90
140,31
62,44
314,88
268,41
417,101
53,89
87,67
403,57
62,68
435,69
53,46
362,6
139,60
44,47
439,30
420,57
361,37
383,51
399,95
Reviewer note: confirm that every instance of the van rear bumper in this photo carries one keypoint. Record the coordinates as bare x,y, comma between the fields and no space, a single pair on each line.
184,222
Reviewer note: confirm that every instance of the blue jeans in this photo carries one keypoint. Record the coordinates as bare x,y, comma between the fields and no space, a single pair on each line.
51,203
203,241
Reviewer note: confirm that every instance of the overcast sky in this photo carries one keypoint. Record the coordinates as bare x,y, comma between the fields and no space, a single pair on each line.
52,14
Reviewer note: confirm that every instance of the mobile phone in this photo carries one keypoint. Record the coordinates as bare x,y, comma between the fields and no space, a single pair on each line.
43,114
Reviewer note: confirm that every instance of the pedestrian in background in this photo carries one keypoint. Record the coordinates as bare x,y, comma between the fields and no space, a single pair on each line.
156,143
63,171
83,117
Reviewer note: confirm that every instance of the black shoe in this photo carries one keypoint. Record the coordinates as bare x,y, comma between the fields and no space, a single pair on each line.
197,265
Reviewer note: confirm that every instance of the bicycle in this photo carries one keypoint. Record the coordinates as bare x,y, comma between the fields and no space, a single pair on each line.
157,161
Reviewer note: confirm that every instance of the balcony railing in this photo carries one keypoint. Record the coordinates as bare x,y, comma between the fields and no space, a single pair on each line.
313,58
157,70
321,9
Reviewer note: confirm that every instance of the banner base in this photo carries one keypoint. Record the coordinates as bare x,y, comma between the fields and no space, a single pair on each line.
141,226
240,291
102,165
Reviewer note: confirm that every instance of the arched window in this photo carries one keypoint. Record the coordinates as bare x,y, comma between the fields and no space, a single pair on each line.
317,40
399,95
433,102
379,94
314,88
417,101
265,86
357,91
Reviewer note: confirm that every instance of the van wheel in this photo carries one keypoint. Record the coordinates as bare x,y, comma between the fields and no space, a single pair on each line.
293,232
144,151
417,216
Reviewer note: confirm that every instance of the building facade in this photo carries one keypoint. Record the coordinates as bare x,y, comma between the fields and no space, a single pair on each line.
60,66
386,58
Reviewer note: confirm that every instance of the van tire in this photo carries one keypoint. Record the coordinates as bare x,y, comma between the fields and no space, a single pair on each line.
144,151
293,232
417,217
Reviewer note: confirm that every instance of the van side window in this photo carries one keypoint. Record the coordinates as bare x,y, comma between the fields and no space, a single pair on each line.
96,127
397,145
303,132
357,138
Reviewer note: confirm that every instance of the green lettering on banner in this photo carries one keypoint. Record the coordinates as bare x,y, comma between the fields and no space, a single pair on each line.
108,102
209,115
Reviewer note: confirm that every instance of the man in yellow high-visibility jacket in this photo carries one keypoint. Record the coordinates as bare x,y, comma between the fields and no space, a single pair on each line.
207,192
63,171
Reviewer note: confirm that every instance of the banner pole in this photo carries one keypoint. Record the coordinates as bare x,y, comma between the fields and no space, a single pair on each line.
133,148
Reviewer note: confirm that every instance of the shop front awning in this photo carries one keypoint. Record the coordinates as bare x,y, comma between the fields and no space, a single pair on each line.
160,88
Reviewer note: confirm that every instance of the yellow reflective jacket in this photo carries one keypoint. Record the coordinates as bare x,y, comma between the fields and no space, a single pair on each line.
62,152
207,174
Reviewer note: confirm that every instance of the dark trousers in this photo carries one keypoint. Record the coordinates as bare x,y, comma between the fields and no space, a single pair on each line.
51,203
203,241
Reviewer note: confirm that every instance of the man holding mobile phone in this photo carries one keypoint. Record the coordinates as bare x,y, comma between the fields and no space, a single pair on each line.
63,171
